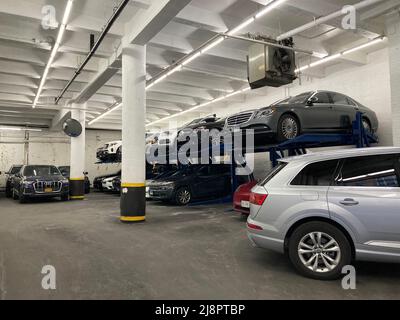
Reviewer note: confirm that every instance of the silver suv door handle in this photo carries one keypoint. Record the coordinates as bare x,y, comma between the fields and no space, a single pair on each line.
349,202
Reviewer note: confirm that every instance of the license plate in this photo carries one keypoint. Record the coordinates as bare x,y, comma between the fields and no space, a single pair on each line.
245,204
48,190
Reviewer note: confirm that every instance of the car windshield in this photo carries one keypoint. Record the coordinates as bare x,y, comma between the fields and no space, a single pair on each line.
193,122
65,171
37,171
15,170
301,98
281,101
185,171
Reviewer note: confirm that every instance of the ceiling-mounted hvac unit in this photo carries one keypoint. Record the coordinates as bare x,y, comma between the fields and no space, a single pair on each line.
271,66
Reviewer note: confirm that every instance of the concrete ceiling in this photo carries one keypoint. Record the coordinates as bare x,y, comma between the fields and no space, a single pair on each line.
25,48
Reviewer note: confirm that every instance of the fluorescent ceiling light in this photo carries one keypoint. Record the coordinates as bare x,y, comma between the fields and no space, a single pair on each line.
241,26
213,44
340,54
190,59
200,106
196,53
365,45
176,69
67,12
112,109
325,60
9,111
54,50
270,6
19,129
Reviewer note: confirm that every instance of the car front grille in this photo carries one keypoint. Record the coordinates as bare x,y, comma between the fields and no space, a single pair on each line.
41,186
239,119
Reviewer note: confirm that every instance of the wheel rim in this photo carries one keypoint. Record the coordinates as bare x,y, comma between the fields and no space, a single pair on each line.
366,125
184,196
290,129
319,252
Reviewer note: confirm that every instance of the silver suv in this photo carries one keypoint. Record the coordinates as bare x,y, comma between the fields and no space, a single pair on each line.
328,209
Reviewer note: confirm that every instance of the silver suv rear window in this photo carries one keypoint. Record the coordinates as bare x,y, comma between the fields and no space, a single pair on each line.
273,173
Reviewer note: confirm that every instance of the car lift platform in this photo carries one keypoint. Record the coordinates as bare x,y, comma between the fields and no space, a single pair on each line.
357,136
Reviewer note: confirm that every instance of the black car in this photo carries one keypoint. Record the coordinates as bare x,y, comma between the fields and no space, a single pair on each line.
192,183
98,181
211,123
66,172
40,182
9,183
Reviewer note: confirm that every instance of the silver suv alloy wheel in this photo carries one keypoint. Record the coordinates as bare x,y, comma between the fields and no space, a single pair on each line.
319,252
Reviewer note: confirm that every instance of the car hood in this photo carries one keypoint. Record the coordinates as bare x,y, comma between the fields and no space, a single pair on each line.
168,180
107,176
45,178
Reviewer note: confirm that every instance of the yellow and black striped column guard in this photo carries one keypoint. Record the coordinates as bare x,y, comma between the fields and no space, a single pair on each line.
133,202
77,188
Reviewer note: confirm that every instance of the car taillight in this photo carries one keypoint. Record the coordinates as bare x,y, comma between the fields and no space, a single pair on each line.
258,199
254,227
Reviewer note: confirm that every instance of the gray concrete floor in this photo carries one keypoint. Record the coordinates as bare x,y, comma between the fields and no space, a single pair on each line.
179,253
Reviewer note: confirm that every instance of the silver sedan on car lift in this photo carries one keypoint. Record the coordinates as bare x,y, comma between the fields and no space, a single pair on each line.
310,112
325,210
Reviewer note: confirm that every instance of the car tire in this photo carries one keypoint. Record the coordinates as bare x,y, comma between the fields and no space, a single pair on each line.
183,196
22,198
9,193
288,128
65,197
314,260
14,194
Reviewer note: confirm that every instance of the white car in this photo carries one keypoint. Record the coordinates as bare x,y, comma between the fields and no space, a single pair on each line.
110,151
108,184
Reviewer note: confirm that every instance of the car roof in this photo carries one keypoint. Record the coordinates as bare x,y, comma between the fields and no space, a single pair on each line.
341,153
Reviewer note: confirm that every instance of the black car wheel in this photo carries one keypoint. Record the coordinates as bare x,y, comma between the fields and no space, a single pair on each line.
14,194
288,128
9,193
22,198
319,251
65,197
183,196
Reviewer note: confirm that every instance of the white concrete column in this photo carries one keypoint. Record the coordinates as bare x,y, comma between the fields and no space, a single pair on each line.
78,159
133,198
393,33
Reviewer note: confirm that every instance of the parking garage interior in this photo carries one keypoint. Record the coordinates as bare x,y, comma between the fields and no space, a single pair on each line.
89,89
